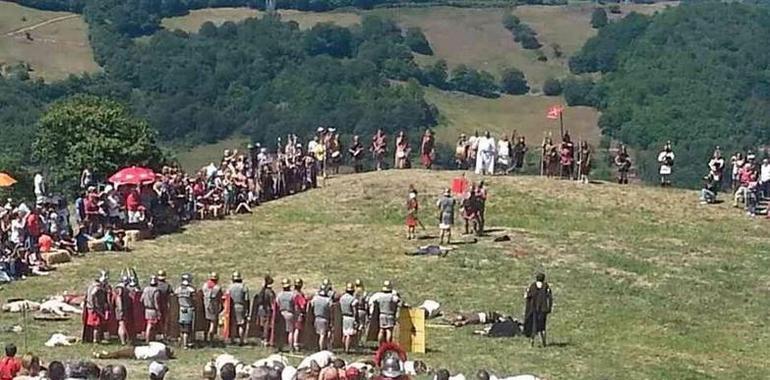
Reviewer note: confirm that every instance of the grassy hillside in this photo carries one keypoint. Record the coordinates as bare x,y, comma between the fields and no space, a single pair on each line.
59,44
193,21
526,114
648,285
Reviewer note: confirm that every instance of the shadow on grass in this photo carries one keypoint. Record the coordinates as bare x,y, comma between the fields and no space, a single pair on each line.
465,242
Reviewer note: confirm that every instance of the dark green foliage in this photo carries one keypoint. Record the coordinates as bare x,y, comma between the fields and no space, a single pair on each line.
327,38
615,9
599,18
522,33
581,92
695,75
541,56
436,75
95,133
600,53
552,87
473,81
513,82
416,41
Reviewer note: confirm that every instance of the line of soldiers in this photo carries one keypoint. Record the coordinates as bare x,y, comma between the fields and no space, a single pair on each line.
289,318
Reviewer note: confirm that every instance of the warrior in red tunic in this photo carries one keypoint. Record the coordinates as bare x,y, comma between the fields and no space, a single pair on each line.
411,214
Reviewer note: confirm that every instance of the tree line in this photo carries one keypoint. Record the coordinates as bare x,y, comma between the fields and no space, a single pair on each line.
695,74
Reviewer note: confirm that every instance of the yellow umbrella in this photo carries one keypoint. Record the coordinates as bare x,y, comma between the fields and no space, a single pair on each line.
6,180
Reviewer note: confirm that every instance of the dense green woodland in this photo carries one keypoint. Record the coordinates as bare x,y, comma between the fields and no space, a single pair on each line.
695,74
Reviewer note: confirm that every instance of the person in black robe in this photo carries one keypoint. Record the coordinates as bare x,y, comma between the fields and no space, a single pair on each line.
539,302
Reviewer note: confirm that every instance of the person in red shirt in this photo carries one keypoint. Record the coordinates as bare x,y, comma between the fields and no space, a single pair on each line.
134,206
10,365
32,223
45,243
300,305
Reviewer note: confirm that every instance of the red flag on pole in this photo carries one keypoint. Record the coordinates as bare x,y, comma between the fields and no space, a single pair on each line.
554,112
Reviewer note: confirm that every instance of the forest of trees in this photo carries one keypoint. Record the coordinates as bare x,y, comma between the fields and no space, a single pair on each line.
695,74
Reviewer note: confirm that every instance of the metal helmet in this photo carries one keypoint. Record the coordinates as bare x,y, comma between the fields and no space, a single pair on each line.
326,284
359,283
387,286
186,276
298,282
213,276
482,375
153,281
285,283
209,371
125,280
349,287
391,367
237,276
269,281
161,275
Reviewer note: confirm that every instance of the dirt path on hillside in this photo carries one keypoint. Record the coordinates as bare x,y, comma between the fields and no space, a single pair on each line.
44,23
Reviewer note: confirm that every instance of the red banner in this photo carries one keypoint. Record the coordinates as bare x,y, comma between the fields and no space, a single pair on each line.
555,112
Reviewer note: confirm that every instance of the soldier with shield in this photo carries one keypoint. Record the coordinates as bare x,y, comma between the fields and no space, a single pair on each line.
151,302
387,304
321,307
284,314
237,301
212,304
349,306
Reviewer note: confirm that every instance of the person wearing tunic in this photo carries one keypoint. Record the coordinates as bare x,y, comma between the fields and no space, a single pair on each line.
96,308
473,148
185,293
427,146
123,312
585,162
165,292
485,157
666,161
550,157
446,207
470,211
348,307
151,303
461,152
566,157
321,307
388,303
264,302
284,301
519,153
504,154
411,214
239,305
623,163
212,304
402,151
379,148
539,303
356,151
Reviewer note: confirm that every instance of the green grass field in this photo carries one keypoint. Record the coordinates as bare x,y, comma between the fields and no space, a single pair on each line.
648,285
59,45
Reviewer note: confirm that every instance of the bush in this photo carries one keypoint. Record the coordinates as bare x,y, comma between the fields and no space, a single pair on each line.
513,82
529,41
541,56
473,82
615,9
599,18
417,42
510,21
552,87
580,92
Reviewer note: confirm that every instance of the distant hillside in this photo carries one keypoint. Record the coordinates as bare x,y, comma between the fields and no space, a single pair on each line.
696,75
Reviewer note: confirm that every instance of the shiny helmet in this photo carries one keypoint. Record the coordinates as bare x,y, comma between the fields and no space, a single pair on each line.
285,284
392,367
213,276
153,280
237,276
161,275
387,286
349,287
